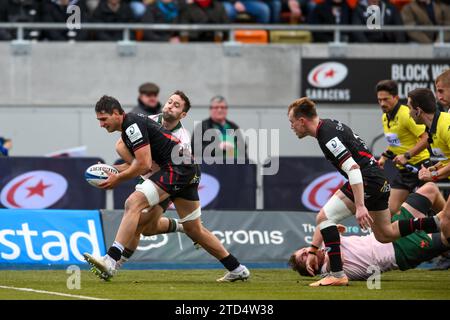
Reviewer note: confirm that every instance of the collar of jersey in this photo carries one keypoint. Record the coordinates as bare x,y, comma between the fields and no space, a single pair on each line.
178,126
433,127
434,122
391,115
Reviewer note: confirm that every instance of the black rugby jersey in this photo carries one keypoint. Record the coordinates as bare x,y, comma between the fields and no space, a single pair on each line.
139,131
338,143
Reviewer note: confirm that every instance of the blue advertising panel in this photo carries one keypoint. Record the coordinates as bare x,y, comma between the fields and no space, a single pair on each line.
49,236
54,183
221,187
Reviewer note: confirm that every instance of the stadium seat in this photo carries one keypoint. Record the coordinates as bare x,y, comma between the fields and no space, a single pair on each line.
290,36
251,36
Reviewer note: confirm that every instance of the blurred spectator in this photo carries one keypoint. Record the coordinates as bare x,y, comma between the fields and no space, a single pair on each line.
56,11
138,8
275,10
161,11
5,146
112,11
148,101
389,16
19,11
204,12
330,12
255,8
232,146
426,13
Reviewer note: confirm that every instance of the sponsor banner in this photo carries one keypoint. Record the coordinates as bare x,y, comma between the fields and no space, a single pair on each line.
217,189
252,236
49,236
302,183
306,183
40,183
353,80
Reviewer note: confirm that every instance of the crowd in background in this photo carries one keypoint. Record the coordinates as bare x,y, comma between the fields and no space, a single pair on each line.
343,12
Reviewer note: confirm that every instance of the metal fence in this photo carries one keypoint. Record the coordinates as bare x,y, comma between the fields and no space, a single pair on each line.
231,28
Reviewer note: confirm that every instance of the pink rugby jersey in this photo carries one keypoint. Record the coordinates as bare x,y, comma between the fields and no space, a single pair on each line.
359,253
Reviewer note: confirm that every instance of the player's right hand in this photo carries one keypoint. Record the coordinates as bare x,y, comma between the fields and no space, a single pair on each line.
363,217
312,264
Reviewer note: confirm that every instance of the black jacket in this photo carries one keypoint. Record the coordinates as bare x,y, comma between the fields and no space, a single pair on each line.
104,14
53,12
323,14
194,14
389,16
199,131
154,15
143,109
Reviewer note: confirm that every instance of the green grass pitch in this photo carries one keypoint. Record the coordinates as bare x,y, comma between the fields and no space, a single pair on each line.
265,284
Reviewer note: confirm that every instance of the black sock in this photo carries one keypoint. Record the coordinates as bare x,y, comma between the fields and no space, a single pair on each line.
407,227
172,225
230,262
127,253
114,253
332,241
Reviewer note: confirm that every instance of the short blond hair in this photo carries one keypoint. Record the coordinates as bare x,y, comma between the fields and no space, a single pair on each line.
303,107
444,77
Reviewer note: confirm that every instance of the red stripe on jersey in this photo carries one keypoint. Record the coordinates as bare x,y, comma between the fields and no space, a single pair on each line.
365,154
171,174
170,137
318,127
141,146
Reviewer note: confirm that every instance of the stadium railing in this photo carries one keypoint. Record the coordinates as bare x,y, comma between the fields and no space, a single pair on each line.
231,28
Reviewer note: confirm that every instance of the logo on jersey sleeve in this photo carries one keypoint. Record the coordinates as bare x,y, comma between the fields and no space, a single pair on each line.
133,132
392,139
438,154
335,146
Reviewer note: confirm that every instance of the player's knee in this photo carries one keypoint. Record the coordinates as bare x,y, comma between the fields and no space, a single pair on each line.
321,216
133,203
193,229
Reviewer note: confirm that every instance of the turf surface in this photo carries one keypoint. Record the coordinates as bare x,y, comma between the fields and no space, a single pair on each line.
264,284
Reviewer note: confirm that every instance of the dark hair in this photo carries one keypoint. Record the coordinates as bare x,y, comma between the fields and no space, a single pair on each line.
108,104
303,107
424,99
301,269
387,85
184,97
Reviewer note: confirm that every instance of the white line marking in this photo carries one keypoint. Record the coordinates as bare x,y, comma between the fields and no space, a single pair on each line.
51,292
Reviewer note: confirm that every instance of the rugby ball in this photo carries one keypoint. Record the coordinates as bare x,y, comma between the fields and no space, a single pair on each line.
96,173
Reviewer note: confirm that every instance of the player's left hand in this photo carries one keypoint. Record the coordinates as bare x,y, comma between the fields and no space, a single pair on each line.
363,217
424,174
112,181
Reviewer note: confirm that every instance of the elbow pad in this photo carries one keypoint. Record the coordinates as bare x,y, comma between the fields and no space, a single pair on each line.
354,175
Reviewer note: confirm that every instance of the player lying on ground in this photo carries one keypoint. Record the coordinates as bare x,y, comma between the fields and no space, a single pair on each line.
361,253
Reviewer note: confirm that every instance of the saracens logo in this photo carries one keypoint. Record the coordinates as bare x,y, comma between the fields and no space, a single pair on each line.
34,190
327,74
321,189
